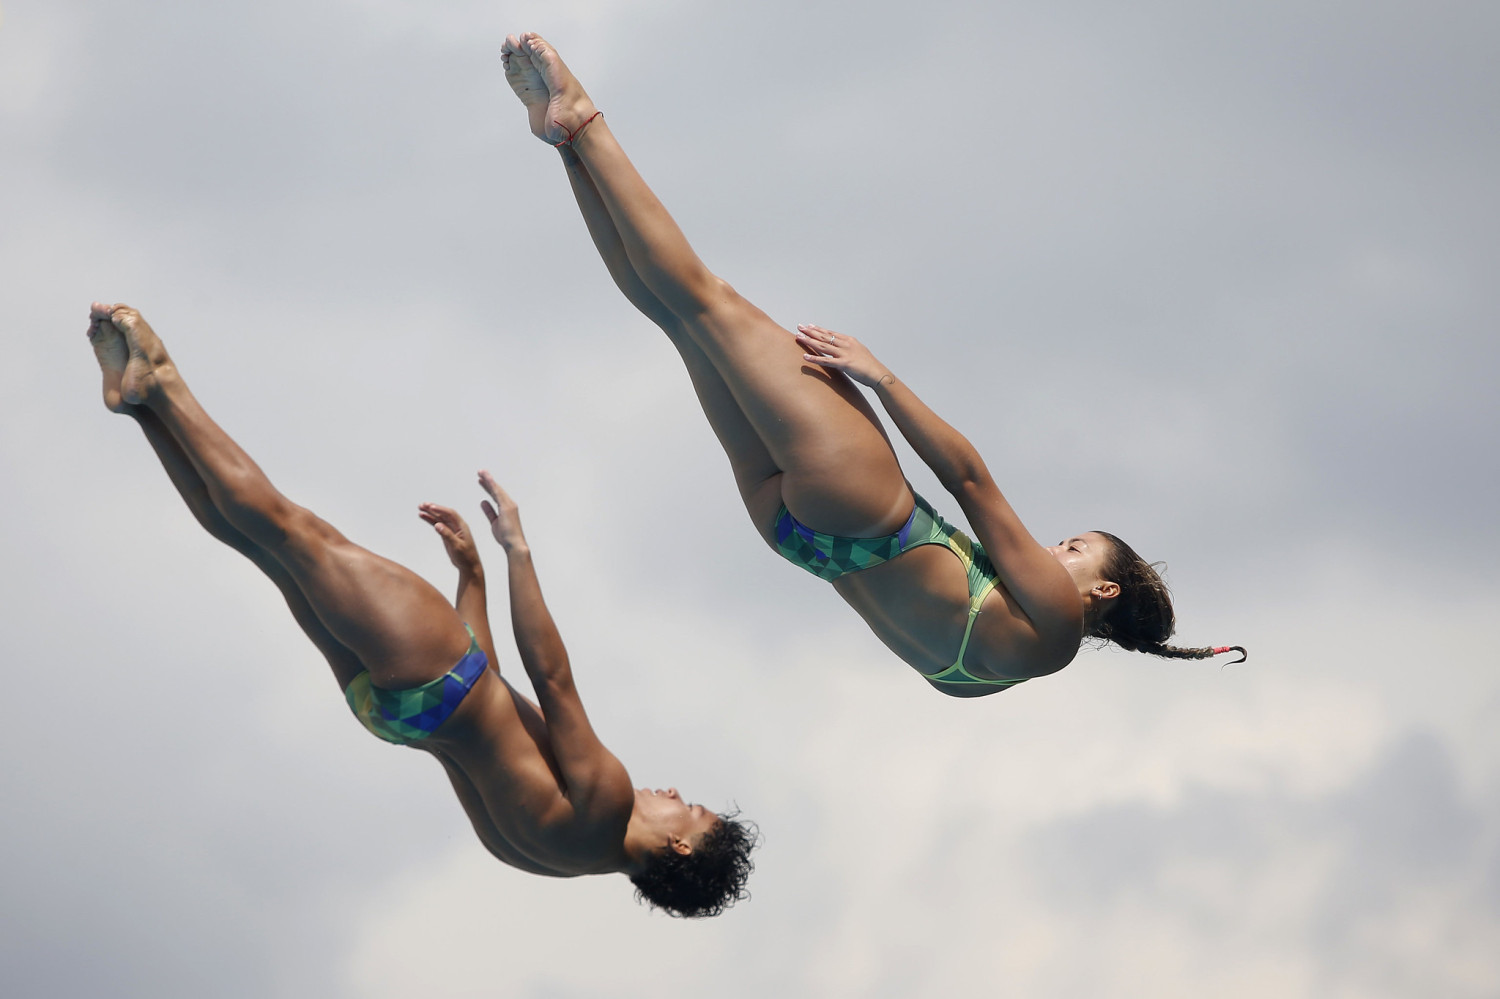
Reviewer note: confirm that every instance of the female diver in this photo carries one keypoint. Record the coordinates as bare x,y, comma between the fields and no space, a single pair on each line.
815,470
543,793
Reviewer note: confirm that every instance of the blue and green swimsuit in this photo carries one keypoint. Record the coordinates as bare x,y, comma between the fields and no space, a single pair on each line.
406,716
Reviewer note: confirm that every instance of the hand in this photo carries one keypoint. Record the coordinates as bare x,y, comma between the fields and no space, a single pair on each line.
504,515
841,352
457,538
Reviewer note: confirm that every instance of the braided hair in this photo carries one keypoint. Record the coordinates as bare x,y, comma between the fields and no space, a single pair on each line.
1141,618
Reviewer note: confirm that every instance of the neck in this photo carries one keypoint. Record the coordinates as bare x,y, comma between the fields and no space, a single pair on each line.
1093,613
639,842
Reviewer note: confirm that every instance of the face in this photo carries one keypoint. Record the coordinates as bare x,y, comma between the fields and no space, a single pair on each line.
682,823
1084,556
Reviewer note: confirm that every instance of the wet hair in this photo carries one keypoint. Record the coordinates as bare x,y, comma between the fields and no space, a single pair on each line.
1141,618
706,881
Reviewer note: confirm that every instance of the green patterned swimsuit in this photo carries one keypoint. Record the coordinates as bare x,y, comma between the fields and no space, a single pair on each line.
405,716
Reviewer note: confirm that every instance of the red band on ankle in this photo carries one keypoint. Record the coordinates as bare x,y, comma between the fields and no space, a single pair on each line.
576,132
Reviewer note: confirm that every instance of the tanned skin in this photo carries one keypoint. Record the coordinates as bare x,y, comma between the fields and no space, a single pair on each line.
788,411
543,793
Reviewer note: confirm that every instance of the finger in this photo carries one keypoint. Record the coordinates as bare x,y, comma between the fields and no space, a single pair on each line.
824,335
823,361
502,498
489,511
429,518
820,331
808,343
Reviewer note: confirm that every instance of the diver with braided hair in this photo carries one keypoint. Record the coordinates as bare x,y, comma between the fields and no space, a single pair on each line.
542,792
814,467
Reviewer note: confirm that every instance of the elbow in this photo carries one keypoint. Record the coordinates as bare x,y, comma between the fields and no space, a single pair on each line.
559,677
972,481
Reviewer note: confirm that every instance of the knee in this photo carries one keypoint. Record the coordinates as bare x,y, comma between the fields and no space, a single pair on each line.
726,308
702,292
270,521
720,294
301,527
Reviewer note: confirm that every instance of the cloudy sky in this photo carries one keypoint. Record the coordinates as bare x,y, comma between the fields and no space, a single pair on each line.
1216,278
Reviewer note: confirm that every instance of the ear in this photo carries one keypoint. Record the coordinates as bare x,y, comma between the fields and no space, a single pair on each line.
1106,591
680,846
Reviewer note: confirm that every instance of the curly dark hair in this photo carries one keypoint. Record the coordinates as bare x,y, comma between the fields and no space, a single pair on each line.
706,881
1141,618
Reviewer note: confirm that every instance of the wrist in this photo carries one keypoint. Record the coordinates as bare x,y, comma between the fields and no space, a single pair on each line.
517,550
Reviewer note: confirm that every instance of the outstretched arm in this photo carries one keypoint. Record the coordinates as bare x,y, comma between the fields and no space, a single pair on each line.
470,602
586,765
1040,585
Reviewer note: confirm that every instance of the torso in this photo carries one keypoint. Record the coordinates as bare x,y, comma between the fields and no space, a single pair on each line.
918,605
496,743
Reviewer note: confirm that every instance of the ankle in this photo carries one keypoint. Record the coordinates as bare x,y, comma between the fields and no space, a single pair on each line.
586,118
162,381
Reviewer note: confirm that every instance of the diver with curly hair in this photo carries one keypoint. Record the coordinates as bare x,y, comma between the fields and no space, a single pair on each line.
543,793
814,467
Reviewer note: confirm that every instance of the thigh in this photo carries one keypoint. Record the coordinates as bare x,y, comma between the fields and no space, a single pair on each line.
344,663
757,476
403,631
839,472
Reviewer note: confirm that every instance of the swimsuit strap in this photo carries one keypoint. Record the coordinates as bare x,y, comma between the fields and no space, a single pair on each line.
976,601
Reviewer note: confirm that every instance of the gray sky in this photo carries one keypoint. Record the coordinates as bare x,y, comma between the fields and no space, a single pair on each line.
1216,279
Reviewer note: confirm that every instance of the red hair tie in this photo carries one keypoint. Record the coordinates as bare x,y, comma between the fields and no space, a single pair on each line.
576,132
1220,650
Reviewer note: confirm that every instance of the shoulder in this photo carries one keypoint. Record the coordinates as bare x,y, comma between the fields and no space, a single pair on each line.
602,792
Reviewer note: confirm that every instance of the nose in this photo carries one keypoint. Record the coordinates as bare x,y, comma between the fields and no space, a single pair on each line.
672,793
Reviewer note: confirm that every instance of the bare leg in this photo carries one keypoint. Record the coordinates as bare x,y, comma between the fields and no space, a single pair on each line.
180,470
390,619
109,347
840,473
755,472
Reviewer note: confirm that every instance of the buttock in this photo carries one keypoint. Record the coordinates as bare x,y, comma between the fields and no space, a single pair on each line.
829,556
407,716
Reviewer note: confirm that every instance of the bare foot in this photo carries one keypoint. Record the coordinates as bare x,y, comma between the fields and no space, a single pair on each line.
528,85
146,355
556,104
112,354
